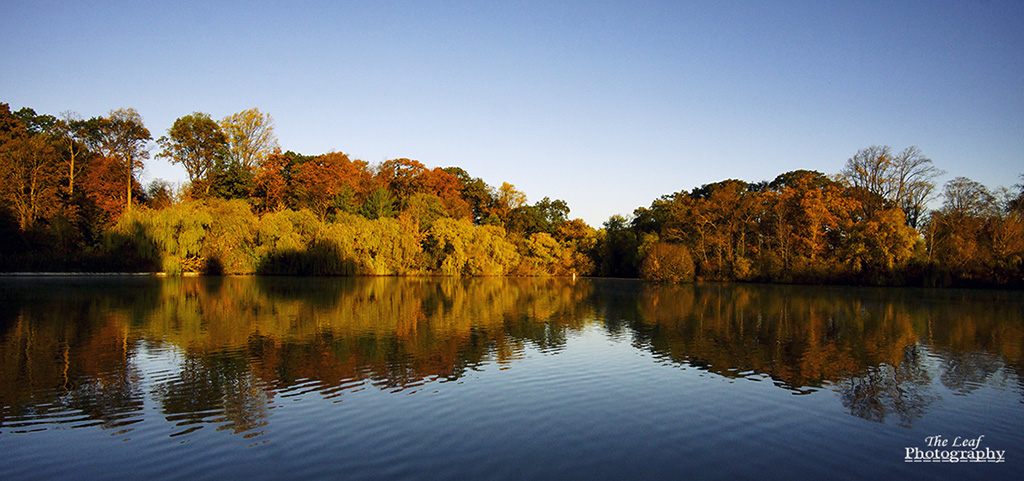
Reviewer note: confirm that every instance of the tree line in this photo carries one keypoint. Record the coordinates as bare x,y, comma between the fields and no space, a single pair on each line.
71,200
869,224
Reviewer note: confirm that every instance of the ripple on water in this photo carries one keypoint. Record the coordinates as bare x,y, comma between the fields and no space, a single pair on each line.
600,400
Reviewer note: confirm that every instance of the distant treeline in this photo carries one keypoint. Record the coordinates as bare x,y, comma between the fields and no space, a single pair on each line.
867,225
71,202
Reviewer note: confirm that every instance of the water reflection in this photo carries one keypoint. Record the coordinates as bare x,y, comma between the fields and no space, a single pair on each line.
222,351
903,390
872,345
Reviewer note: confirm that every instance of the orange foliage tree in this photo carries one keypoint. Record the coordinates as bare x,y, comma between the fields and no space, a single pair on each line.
123,138
29,176
331,183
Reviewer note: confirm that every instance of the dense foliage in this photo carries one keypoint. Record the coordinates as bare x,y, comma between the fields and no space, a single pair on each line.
250,208
806,227
67,187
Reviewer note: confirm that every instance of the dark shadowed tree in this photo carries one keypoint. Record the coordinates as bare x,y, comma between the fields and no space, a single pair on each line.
965,197
29,177
475,191
75,134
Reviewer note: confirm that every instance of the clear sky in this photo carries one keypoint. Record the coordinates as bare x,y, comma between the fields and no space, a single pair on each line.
607,105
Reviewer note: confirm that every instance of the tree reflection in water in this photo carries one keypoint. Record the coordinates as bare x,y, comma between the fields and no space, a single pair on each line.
214,388
236,345
965,372
903,390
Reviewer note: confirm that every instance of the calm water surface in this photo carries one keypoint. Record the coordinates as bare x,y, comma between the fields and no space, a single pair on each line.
385,378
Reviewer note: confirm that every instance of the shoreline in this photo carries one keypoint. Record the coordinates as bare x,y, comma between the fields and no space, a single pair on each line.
89,274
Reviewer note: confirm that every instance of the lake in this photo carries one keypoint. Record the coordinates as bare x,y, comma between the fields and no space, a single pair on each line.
493,378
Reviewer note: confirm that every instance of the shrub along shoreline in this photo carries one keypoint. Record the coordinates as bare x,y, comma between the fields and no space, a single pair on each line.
219,236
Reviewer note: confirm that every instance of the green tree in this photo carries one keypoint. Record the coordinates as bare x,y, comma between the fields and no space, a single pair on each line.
544,216
231,181
196,142
378,204
36,123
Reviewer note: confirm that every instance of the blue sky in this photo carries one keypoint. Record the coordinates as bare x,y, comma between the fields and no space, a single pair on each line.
607,105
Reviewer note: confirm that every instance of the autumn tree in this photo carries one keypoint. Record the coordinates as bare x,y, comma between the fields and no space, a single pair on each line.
103,187
122,137
504,201
196,142
801,225
581,240
1016,202
963,197
906,178
447,187
476,193
810,215
330,183
716,220
28,170
543,255
877,245
1007,237
915,176
250,137
402,177
956,232
975,237
75,134
666,262
272,182
457,247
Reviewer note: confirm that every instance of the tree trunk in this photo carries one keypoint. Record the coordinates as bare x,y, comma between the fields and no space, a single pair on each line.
129,208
